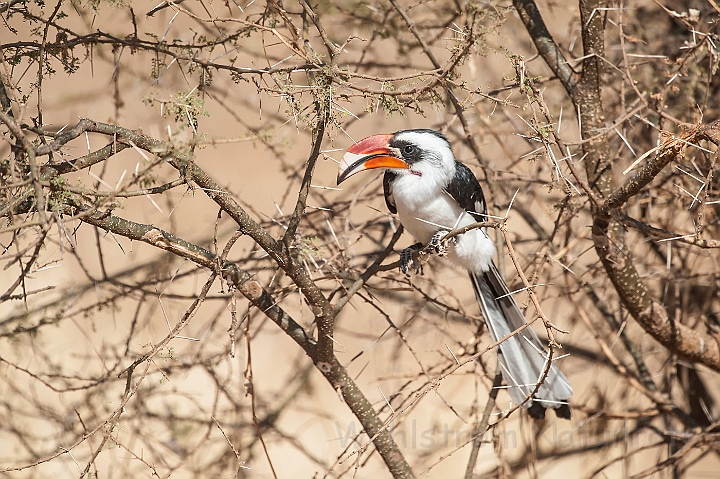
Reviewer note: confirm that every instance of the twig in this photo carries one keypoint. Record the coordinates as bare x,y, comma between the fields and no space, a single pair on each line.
546,46
482,426
250,389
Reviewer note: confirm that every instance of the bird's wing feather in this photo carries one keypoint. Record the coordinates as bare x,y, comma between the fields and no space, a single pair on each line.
465,189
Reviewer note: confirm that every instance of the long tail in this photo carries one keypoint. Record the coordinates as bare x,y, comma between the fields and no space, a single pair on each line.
522,356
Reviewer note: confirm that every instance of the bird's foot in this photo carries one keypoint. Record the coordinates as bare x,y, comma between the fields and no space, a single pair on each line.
407,262
438,244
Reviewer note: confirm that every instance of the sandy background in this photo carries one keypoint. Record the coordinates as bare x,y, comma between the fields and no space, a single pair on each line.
256,145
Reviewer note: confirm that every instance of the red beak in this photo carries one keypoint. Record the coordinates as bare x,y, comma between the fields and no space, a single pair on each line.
372,152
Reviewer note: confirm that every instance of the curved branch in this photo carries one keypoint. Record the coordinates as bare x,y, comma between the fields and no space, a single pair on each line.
235,275
335,373
618,262
321,352
608,237
663,234
294,221
671,148
546,46
247,225
688,343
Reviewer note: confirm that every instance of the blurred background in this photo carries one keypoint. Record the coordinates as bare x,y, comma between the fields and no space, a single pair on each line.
234,86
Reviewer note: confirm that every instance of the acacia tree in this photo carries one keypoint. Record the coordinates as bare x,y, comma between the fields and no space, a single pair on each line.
195,298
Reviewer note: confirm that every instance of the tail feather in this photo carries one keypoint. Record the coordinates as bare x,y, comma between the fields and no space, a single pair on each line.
522,357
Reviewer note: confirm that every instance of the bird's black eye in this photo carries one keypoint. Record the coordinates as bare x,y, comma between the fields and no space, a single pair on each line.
408,149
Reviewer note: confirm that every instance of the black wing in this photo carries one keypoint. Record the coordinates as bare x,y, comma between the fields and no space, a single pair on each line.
388,179
466,190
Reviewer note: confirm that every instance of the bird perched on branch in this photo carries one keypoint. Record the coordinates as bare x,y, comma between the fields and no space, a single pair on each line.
432,194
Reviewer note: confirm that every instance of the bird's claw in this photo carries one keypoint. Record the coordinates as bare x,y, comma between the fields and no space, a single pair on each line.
407,262
438,244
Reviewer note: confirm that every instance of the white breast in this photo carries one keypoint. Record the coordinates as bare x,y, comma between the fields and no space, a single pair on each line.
425,208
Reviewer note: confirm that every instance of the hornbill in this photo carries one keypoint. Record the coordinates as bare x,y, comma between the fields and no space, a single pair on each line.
432,193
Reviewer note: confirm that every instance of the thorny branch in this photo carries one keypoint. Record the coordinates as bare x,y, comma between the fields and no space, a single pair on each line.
609,240
240,279
311,75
